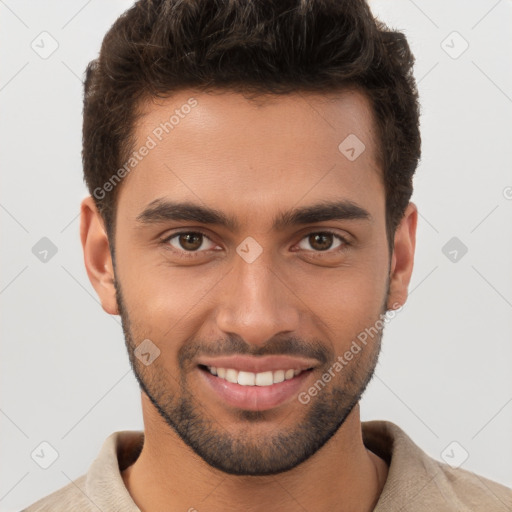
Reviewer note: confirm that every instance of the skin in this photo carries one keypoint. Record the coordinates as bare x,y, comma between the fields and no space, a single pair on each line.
252,161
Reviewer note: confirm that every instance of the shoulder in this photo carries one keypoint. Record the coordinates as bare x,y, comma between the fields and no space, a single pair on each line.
419,482
102,487
465,490
69,497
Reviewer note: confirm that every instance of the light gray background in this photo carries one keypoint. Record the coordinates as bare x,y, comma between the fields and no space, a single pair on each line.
445,368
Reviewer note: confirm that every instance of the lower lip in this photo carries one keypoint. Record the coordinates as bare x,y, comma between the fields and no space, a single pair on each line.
255,398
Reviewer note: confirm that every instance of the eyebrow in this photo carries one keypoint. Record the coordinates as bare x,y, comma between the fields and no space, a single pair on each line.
162,210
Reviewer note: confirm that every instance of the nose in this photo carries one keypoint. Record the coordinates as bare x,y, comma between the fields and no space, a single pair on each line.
257,302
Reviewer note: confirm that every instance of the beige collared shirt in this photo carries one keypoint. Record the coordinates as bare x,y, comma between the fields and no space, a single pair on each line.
415,481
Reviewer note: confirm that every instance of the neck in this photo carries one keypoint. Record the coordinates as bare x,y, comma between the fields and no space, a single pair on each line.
343,475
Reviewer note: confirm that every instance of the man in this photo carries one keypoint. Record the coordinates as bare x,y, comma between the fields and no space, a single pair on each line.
250,167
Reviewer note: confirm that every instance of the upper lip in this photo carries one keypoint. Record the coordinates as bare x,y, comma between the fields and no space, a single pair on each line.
258,364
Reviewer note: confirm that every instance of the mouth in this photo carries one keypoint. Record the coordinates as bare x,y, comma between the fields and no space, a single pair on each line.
255,383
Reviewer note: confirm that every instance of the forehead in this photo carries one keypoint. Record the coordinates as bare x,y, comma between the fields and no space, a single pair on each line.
273,151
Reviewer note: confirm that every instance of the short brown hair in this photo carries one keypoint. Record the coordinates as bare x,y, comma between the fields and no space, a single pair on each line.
158,47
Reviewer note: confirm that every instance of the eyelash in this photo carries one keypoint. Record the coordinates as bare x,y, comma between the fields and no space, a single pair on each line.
196,254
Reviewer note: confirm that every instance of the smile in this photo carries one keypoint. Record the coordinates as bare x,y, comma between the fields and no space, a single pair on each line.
243,378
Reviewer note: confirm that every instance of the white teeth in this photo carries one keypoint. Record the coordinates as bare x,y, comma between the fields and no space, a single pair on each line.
253,379
278,376
232,375
246,378
264,379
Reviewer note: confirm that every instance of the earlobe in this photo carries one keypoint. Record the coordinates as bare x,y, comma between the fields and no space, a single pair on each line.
402,260
97,256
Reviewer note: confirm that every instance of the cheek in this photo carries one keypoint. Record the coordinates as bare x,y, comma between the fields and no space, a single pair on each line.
162,300
348,299
353,305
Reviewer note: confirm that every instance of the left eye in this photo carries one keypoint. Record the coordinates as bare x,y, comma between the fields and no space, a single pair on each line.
322,241
189,241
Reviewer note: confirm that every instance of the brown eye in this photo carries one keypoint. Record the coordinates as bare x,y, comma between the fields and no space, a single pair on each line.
322,241
189,241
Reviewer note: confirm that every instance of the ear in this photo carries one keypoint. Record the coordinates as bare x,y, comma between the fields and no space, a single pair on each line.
97,257
402,260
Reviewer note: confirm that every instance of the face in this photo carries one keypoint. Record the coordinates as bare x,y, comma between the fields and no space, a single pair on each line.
251,252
